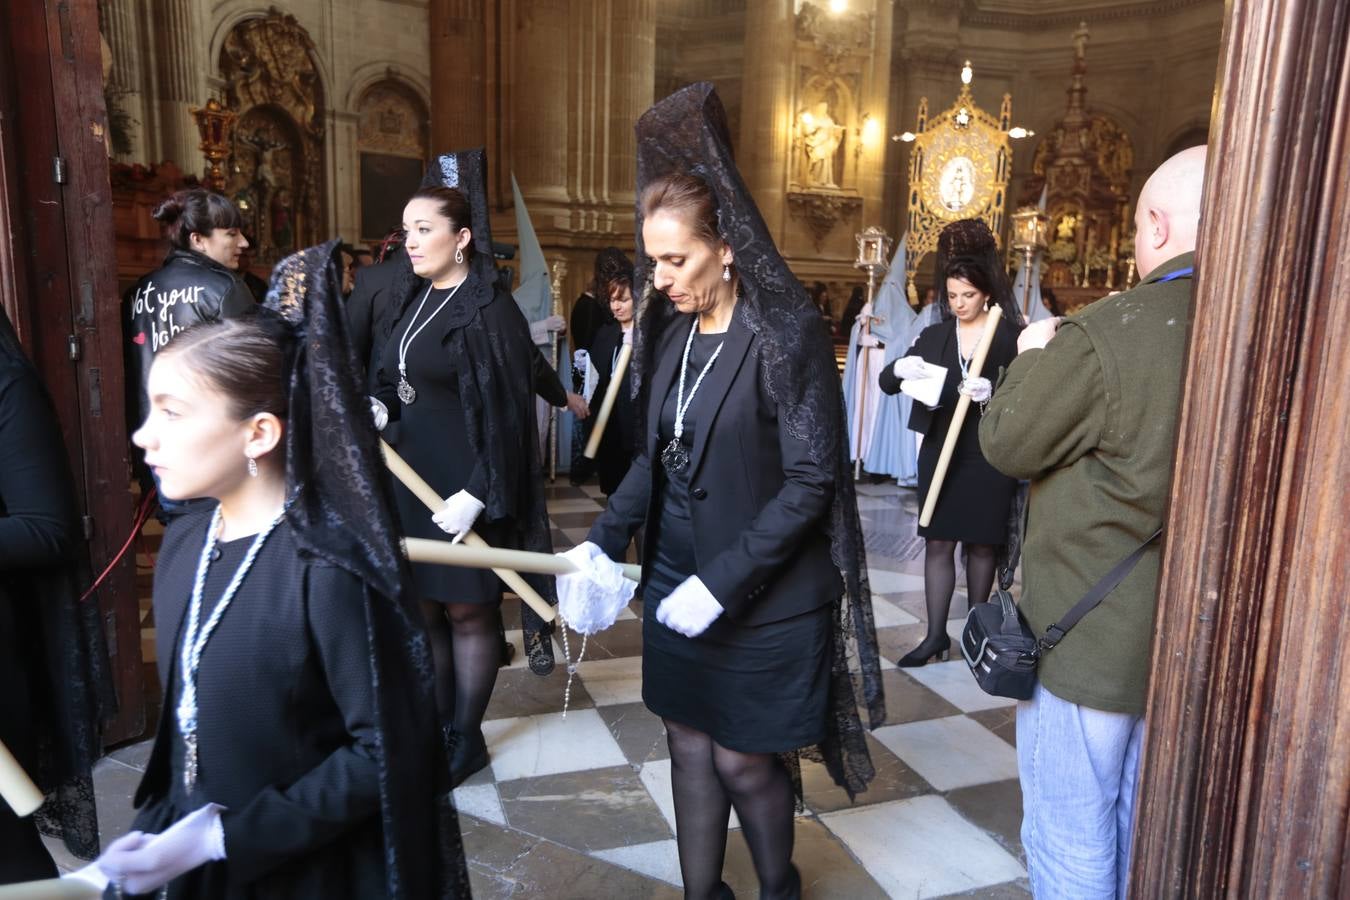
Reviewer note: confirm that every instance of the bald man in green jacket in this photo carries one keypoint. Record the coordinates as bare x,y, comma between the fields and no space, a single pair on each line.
1087,413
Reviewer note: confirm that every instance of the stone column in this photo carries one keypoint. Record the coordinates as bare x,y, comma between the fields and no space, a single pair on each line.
458,75
543,100
766,114
180,78
122,31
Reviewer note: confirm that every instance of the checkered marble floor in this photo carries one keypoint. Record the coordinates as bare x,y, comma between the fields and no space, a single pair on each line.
580,807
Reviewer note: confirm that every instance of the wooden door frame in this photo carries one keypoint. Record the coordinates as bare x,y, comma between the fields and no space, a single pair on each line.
58,280
1245,787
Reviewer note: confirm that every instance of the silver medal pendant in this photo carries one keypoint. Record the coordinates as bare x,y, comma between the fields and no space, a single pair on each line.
675,457
405,391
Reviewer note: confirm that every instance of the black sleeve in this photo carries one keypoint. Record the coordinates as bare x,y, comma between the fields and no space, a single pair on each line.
361,316
238,301
37,507
546,381
890,384
283,823
627,509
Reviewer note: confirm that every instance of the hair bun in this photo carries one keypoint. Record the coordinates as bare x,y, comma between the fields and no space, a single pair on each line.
169,210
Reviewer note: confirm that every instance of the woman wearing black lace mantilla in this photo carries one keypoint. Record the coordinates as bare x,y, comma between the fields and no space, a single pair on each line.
754,585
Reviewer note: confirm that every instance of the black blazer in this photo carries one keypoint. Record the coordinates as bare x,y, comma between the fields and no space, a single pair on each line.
757,501
937,345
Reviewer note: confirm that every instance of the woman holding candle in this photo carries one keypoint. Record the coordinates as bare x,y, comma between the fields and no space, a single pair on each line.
457,391
974,501
296,753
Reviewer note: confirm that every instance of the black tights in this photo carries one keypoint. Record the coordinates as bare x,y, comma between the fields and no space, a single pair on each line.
939,581
467,650
707,780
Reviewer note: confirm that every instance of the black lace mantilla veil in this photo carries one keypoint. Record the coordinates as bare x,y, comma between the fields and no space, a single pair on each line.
339,503
687,132
68,669
972,238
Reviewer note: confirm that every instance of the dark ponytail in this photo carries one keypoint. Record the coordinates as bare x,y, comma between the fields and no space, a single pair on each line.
195,211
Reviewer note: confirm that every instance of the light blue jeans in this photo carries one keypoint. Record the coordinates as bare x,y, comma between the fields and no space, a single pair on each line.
1079,769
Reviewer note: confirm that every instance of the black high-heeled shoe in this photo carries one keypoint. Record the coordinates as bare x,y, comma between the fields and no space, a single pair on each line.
468,756
921,654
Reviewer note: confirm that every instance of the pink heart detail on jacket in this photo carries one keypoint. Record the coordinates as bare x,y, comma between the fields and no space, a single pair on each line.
139,339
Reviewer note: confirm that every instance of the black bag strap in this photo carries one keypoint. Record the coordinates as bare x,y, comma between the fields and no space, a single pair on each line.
1095,595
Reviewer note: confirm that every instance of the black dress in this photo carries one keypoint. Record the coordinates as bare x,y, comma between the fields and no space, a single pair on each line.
754,689
973,504
619,442
286,733
432,436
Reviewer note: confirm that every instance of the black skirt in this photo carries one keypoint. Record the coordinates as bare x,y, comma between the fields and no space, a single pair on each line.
975,498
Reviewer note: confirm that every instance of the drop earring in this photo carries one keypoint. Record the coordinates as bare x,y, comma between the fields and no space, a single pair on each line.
726,272
459,257
252,467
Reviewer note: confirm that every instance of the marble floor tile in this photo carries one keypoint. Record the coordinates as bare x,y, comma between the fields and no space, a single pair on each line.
596,809
954,682
1013,890
574,537
659,860
951,753
560,873
884,582
574,519
886,614
573,505
640,733
611,681
908,700
997,808
520,692
1002,722
922,848
893,781
829,871
549,744
622,639
480,801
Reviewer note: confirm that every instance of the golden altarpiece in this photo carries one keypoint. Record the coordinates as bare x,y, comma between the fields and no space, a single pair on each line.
1083,166
959,168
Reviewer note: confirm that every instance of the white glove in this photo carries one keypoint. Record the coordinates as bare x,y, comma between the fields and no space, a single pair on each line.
908,367
141,863
689,609
590,599
867,339
460,512
555,323
380,413
977,389
865,313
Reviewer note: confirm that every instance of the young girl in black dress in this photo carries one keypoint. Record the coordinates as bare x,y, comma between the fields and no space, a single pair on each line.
296,753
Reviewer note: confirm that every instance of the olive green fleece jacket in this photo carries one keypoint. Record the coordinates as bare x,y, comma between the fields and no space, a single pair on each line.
1090,421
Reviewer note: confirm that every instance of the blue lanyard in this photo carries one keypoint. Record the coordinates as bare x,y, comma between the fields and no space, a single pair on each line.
1179,273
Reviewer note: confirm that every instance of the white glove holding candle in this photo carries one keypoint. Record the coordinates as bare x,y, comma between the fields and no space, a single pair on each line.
590,599
909,367
689,609
379,413
978,390
460,512
141,863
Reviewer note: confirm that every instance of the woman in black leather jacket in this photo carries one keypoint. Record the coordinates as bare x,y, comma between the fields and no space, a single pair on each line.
198,282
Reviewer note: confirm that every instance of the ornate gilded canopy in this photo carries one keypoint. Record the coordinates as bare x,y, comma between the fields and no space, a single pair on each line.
959,169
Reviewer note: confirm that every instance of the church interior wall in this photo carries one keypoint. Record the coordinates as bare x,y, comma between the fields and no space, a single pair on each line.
566,79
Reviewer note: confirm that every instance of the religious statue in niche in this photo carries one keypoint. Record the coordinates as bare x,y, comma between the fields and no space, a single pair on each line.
276,167
956,183
820,137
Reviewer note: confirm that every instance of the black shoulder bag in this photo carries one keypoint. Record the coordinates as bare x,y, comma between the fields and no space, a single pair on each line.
1003,652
